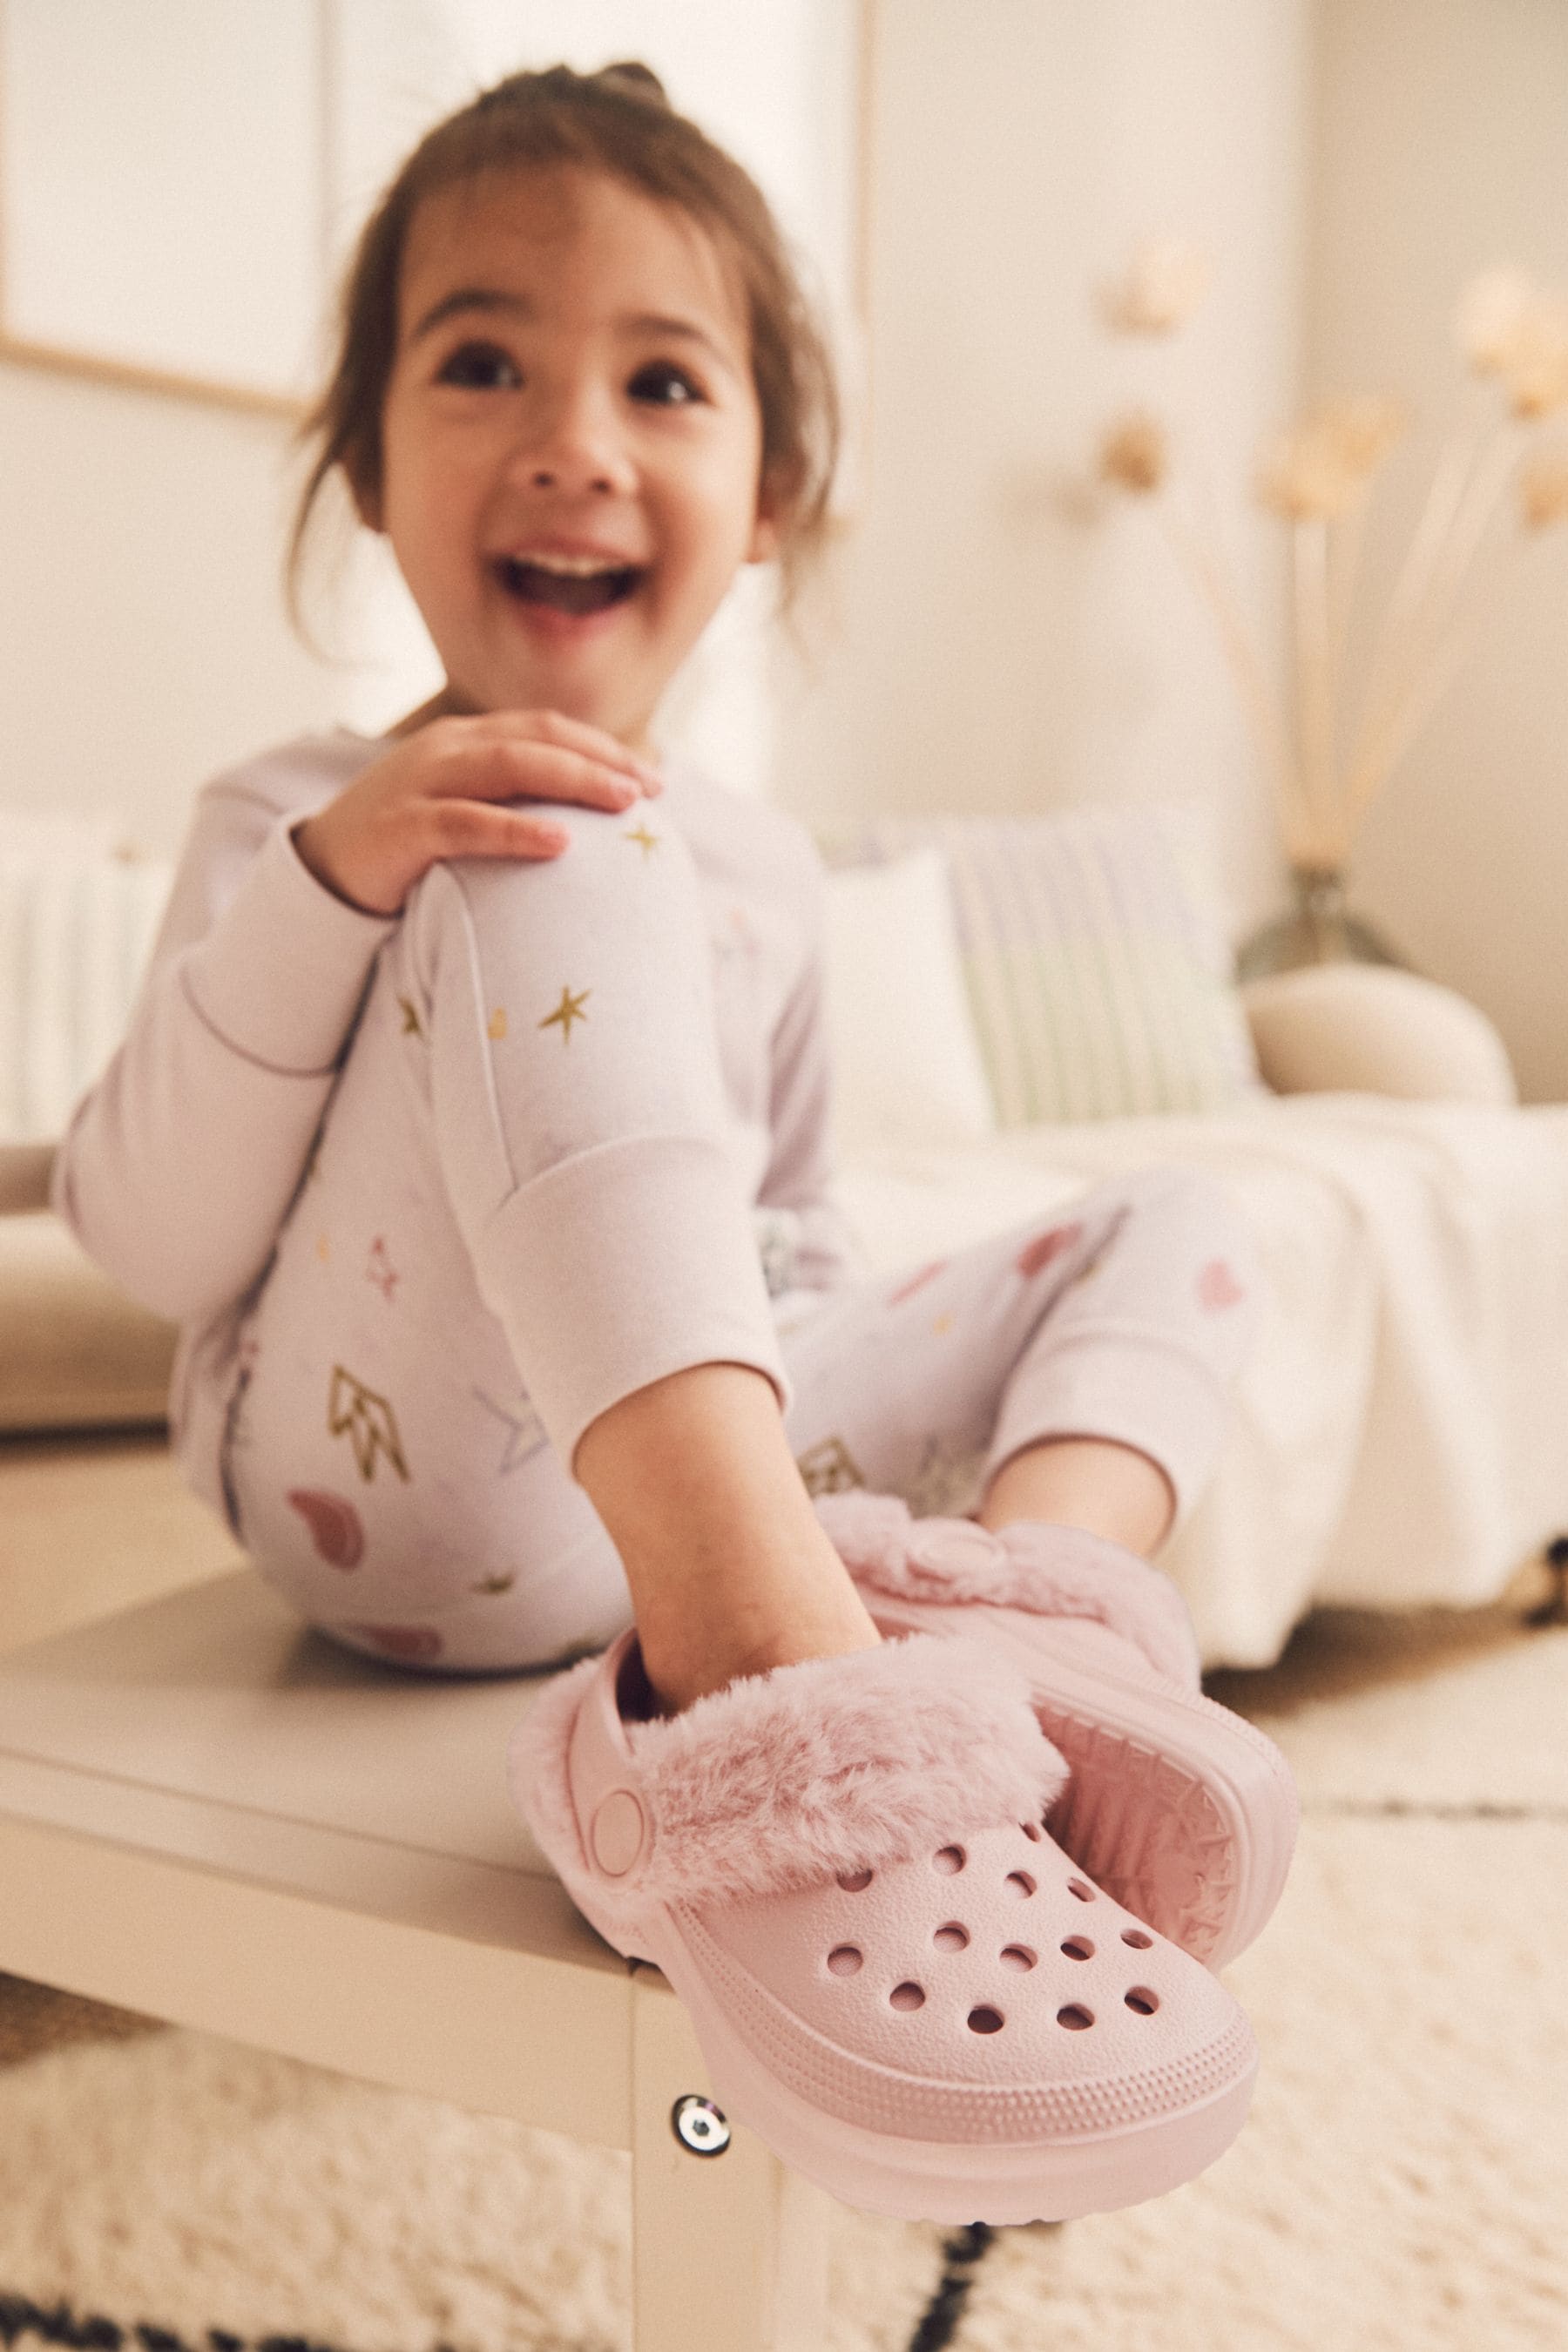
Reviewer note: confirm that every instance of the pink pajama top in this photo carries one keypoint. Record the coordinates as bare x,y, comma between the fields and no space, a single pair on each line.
179,1167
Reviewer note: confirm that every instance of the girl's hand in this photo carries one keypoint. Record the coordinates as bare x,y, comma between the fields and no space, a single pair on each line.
433,795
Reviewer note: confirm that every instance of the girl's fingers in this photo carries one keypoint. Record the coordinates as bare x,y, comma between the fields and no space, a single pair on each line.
508,771
474,829
554,729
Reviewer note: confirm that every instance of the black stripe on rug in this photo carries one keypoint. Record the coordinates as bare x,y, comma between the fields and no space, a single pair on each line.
22,2318
19,2317
961,2255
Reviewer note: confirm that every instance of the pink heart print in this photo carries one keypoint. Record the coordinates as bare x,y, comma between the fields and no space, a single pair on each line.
1039,1254
334,1525
1217,1287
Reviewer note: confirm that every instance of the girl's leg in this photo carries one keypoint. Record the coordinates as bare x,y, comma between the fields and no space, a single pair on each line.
1077,1368
578,1110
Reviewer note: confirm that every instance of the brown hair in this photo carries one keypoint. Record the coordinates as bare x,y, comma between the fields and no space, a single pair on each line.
616,121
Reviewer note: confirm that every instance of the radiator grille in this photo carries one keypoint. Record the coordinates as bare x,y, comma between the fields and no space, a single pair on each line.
78,919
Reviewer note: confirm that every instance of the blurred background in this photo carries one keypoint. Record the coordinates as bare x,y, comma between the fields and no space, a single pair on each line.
180,182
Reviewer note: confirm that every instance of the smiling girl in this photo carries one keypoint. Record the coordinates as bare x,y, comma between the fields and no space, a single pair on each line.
457,1136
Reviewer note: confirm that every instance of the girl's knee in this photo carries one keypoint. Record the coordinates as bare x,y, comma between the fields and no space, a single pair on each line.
620,868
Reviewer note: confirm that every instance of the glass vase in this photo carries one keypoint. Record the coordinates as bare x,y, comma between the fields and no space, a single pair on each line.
1319,928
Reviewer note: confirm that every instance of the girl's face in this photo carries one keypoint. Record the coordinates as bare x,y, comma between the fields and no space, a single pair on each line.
570,441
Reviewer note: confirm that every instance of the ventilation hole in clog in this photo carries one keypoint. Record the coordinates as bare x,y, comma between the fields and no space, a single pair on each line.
1020,1882
985,2021
1074,2018
844,1959
854,1880
1141,1999
1018,1956
951,1938
1079,1948
1137,1938
1081,1888
1030,1831
907,1996
950,1858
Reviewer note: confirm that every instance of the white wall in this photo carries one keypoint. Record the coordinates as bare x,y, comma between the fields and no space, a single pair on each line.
142,644
1443,149
986,650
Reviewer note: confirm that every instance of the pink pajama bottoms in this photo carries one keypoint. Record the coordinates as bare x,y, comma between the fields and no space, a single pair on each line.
533,1192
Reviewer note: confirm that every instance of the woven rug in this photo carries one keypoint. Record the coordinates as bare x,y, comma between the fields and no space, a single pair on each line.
1400,2186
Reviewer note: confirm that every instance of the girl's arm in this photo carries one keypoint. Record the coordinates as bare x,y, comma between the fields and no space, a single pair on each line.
800,1172
179,1165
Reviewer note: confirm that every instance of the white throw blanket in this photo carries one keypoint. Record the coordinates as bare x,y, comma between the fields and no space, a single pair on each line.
1401,1430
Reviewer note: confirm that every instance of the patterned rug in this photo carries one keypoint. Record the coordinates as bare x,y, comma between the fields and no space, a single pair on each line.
1400,2186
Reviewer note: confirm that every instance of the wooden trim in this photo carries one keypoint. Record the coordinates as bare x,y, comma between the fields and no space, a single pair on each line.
125,375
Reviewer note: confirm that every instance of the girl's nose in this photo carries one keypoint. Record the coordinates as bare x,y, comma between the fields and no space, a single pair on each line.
576,450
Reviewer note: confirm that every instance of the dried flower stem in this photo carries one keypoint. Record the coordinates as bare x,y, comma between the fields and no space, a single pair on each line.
1399,731
1310,599
1426,604
1207,571
1443,500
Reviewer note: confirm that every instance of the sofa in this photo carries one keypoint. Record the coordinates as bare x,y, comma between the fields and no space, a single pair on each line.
1396,1438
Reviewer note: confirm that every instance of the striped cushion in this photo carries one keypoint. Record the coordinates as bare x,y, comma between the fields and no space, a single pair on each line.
1096,959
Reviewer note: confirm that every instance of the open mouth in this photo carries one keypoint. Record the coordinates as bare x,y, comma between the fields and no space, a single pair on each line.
570,587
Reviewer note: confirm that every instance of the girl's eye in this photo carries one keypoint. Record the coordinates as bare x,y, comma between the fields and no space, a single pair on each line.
480,366
666,385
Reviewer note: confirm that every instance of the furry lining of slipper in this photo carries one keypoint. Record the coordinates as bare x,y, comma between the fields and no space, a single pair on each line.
1033,1564
787,1779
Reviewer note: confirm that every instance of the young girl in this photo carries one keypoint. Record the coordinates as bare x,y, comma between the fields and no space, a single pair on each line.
455,1135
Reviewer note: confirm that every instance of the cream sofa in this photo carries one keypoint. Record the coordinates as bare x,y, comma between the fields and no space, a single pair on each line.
1397,1430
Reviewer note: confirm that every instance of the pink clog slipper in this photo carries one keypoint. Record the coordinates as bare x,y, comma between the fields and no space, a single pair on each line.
896,1979
1180,1809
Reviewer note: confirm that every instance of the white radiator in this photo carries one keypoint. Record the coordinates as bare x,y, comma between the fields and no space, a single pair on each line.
77,923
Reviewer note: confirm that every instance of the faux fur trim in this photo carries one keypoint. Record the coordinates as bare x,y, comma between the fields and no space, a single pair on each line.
1033,1564
787,1779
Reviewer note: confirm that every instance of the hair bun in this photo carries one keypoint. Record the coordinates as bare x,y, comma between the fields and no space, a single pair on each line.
640,78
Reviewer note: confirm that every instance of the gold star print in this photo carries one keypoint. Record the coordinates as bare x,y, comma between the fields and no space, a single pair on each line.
369,1421
410,1024
497,1023
943,1326
570,1009
493,1584
641,834
828,1468
321,1249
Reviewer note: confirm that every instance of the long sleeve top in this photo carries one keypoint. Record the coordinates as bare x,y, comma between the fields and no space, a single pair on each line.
179,1166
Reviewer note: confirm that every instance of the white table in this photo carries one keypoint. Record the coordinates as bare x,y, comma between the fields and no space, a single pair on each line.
211,1815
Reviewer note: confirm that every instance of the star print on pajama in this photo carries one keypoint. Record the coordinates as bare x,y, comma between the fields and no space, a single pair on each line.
526,1435
570,1009
380,1269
